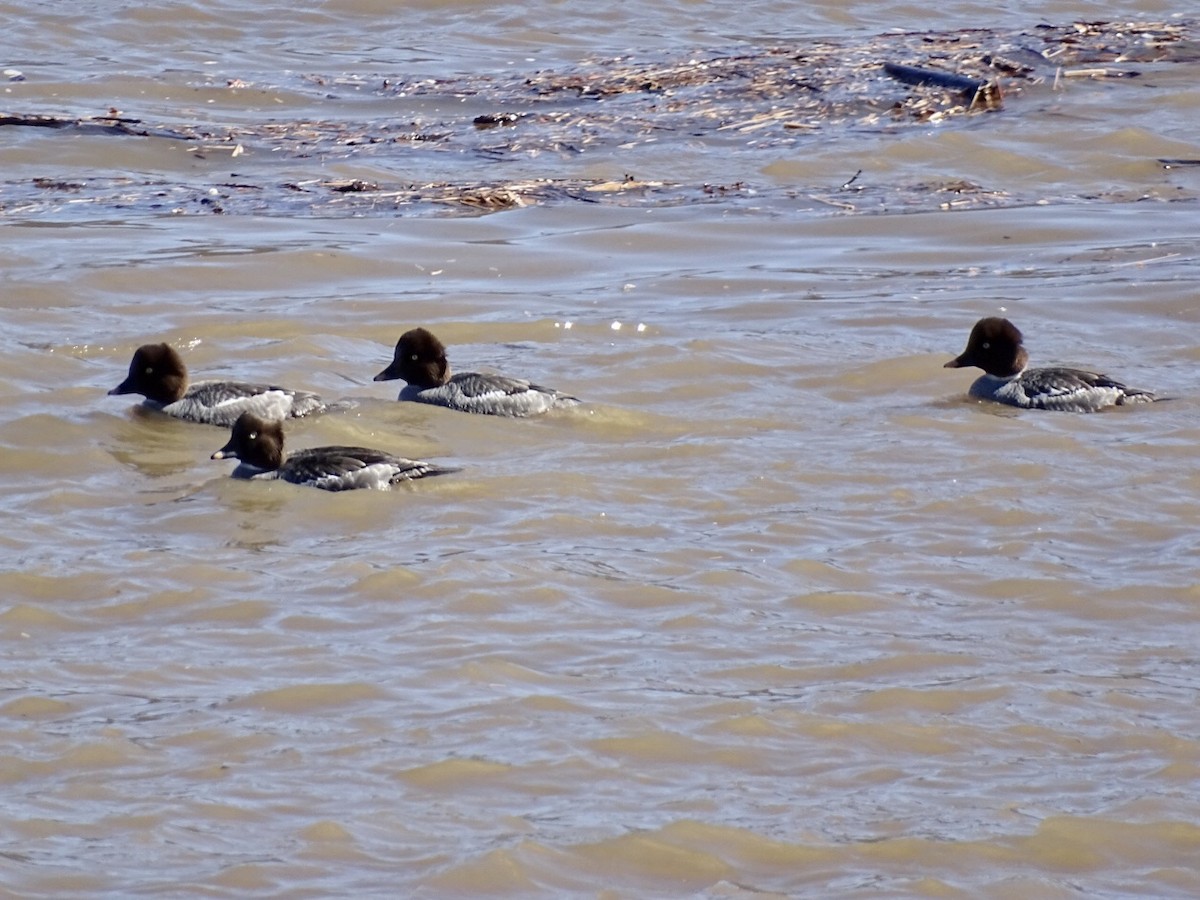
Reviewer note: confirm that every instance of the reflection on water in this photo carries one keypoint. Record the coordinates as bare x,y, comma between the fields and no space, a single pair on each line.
778,611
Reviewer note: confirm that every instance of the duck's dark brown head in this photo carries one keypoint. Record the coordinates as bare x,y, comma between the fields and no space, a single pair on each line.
255,441
157,373
420,359
995,347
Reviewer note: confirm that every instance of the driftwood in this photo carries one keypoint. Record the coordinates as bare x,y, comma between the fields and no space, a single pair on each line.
91,125
976,93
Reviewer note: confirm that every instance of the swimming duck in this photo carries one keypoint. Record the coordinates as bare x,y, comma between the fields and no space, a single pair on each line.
157,373
420,360
995,346
257,444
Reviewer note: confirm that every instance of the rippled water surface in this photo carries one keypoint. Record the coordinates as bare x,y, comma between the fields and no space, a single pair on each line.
777,612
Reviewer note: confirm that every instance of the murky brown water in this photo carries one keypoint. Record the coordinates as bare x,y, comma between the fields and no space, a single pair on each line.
778,613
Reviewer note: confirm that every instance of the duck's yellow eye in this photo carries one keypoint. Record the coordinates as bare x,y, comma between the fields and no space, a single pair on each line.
149,370
252,435
414,357
987,346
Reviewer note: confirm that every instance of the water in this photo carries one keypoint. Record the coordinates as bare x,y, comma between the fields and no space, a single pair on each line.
778,612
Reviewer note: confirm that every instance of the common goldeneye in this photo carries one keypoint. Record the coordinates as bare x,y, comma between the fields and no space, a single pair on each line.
995,347
420,360
258,445
157,373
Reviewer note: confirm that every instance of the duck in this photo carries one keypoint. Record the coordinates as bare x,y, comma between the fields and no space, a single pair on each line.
257,444
995,345
420,360
157,373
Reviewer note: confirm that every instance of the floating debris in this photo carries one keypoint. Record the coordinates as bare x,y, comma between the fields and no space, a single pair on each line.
352,187
492,120
54,184
110,124
976,93
748,98
1099,72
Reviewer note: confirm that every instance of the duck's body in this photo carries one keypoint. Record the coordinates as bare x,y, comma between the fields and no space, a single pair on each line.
1058,388
257,444
995,345
420,360
488,394
157,373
